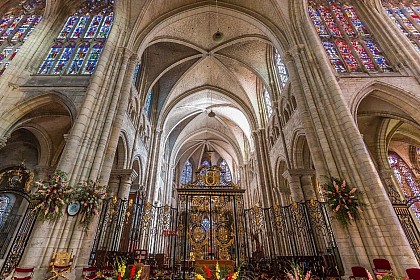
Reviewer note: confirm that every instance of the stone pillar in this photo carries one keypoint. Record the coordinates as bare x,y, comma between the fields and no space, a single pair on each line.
307,186
293,178
264,170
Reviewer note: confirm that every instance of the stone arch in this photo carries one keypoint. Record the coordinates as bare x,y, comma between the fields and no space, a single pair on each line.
301,155
121,154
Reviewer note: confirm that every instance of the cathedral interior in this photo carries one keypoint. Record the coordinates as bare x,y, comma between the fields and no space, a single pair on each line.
259,136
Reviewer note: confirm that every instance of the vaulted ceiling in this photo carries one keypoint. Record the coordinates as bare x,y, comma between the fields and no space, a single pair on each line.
192,74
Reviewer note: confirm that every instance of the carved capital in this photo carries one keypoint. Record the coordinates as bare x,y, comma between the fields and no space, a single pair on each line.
3,141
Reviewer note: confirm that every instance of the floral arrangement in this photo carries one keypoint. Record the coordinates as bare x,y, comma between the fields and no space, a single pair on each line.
297,273
52,195
217,274
127,274
89,195
342,200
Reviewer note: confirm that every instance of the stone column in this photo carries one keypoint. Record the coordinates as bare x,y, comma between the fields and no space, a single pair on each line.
307,186
264,170
293,178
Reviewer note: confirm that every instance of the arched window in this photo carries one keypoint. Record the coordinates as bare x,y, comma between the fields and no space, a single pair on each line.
186,175
5,205
406,179
348,43
406,15
79,45
15,27
148,103
281,69
227,175
268,104
205,163
136,74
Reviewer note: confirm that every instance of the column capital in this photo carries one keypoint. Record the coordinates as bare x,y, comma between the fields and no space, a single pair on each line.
298,172
3,141
124,174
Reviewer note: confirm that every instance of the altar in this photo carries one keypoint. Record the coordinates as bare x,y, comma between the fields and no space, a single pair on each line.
210,223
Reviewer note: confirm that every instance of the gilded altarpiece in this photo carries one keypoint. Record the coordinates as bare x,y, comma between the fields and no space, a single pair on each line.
210,219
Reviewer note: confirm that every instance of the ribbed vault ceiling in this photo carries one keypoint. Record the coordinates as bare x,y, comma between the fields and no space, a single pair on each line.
192,74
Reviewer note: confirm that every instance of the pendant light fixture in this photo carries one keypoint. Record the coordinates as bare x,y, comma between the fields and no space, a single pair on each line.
218,36
211,114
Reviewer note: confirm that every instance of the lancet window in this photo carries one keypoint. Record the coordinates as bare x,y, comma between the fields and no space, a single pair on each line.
4,207
79,45
148,103
406,16
15,27
406,179
227,175
136,74
345,38
186,175
268,104
281,69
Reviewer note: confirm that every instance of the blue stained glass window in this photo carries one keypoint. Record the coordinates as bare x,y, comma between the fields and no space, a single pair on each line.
15,28
79,58
4,207
227,175
136,74
93,59
406,179
355,51
83,37
94,27
148,103
268,104
186,175
63,60
205,163
406,16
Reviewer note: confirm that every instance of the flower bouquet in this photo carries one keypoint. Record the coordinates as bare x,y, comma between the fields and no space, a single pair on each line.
127,274
89,195
52,195
343,200
217,274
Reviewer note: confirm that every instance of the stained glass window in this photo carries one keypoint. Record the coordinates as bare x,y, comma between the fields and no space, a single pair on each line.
281,69
15,27
406,179
205,163
268,104
186,175
4,207
406,16
345,38
79,44
136,74
227,175
148,103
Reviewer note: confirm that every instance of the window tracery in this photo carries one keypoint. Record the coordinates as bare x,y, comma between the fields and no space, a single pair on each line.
406,179
15,27
186,175
281,69
345,38
268,104
79,45
227,175
5,204
148,103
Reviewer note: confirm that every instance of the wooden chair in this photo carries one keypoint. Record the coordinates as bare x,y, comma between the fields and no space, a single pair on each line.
413,273
61,264
89,272
382,267
23,273
359,272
